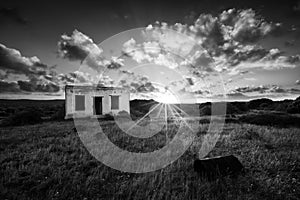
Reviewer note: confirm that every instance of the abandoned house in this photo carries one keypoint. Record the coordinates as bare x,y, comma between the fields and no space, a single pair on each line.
94,101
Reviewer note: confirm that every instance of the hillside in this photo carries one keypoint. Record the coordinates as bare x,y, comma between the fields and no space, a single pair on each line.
260,111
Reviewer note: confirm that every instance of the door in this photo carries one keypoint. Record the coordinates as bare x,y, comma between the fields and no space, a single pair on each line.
97,105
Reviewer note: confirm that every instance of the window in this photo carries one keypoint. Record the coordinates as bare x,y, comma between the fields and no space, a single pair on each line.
115,102
79,102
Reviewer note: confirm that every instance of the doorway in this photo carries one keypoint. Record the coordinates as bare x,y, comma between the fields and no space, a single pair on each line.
98,106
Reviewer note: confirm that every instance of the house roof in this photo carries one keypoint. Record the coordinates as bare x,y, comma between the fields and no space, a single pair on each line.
93,87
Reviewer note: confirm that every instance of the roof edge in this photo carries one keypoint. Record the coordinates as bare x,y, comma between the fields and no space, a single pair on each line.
93,87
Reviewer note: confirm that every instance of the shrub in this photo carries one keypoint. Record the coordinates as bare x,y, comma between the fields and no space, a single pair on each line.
27,116
271,119
135,114
108,116
241,106
123,113
123,116
59,115
232,109
255,104
294,107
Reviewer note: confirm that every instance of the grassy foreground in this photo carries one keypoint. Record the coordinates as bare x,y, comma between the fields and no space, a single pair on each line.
48,161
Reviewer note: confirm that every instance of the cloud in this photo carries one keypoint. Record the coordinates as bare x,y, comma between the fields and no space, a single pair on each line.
263,89
247,89
134,82
40,77
200,62
74,77
12,61
208,30
150,52
10,87
244,26
115,63
37,86
190,80
80,47
139,52
268,63
236,95
297,82
83,78
139,85
225,42
251,56
32,85
43,79
174,39
77,46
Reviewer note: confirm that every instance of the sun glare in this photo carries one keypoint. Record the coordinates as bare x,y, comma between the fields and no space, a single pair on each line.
167,98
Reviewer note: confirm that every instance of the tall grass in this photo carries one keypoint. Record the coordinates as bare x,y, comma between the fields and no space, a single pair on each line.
49,161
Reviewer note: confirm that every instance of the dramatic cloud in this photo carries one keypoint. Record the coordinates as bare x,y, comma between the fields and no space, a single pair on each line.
138,86
40,77
297,82
115,63
212,43
77,46
12,61
208,30
135,83
244,26
226,42
80,47
33,85
38,86
251,56
263,89
9,87
173,39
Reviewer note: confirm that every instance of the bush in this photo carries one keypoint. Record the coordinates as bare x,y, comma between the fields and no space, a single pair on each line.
271,119
59,115
123,113
232,109
123,116
108,117
294,107
27,116
255,104
135,114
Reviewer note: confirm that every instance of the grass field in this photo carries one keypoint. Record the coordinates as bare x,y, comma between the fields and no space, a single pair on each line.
48,161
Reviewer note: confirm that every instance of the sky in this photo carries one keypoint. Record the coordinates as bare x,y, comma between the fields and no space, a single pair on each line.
187,51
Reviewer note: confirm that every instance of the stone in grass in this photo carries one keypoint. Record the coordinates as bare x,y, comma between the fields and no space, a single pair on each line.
212,168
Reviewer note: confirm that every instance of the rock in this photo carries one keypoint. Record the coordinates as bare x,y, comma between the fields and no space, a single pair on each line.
218,166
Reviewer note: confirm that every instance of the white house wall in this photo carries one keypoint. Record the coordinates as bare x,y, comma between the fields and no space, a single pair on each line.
124,98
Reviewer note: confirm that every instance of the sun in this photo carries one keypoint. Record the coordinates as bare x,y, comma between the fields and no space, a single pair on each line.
166,97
